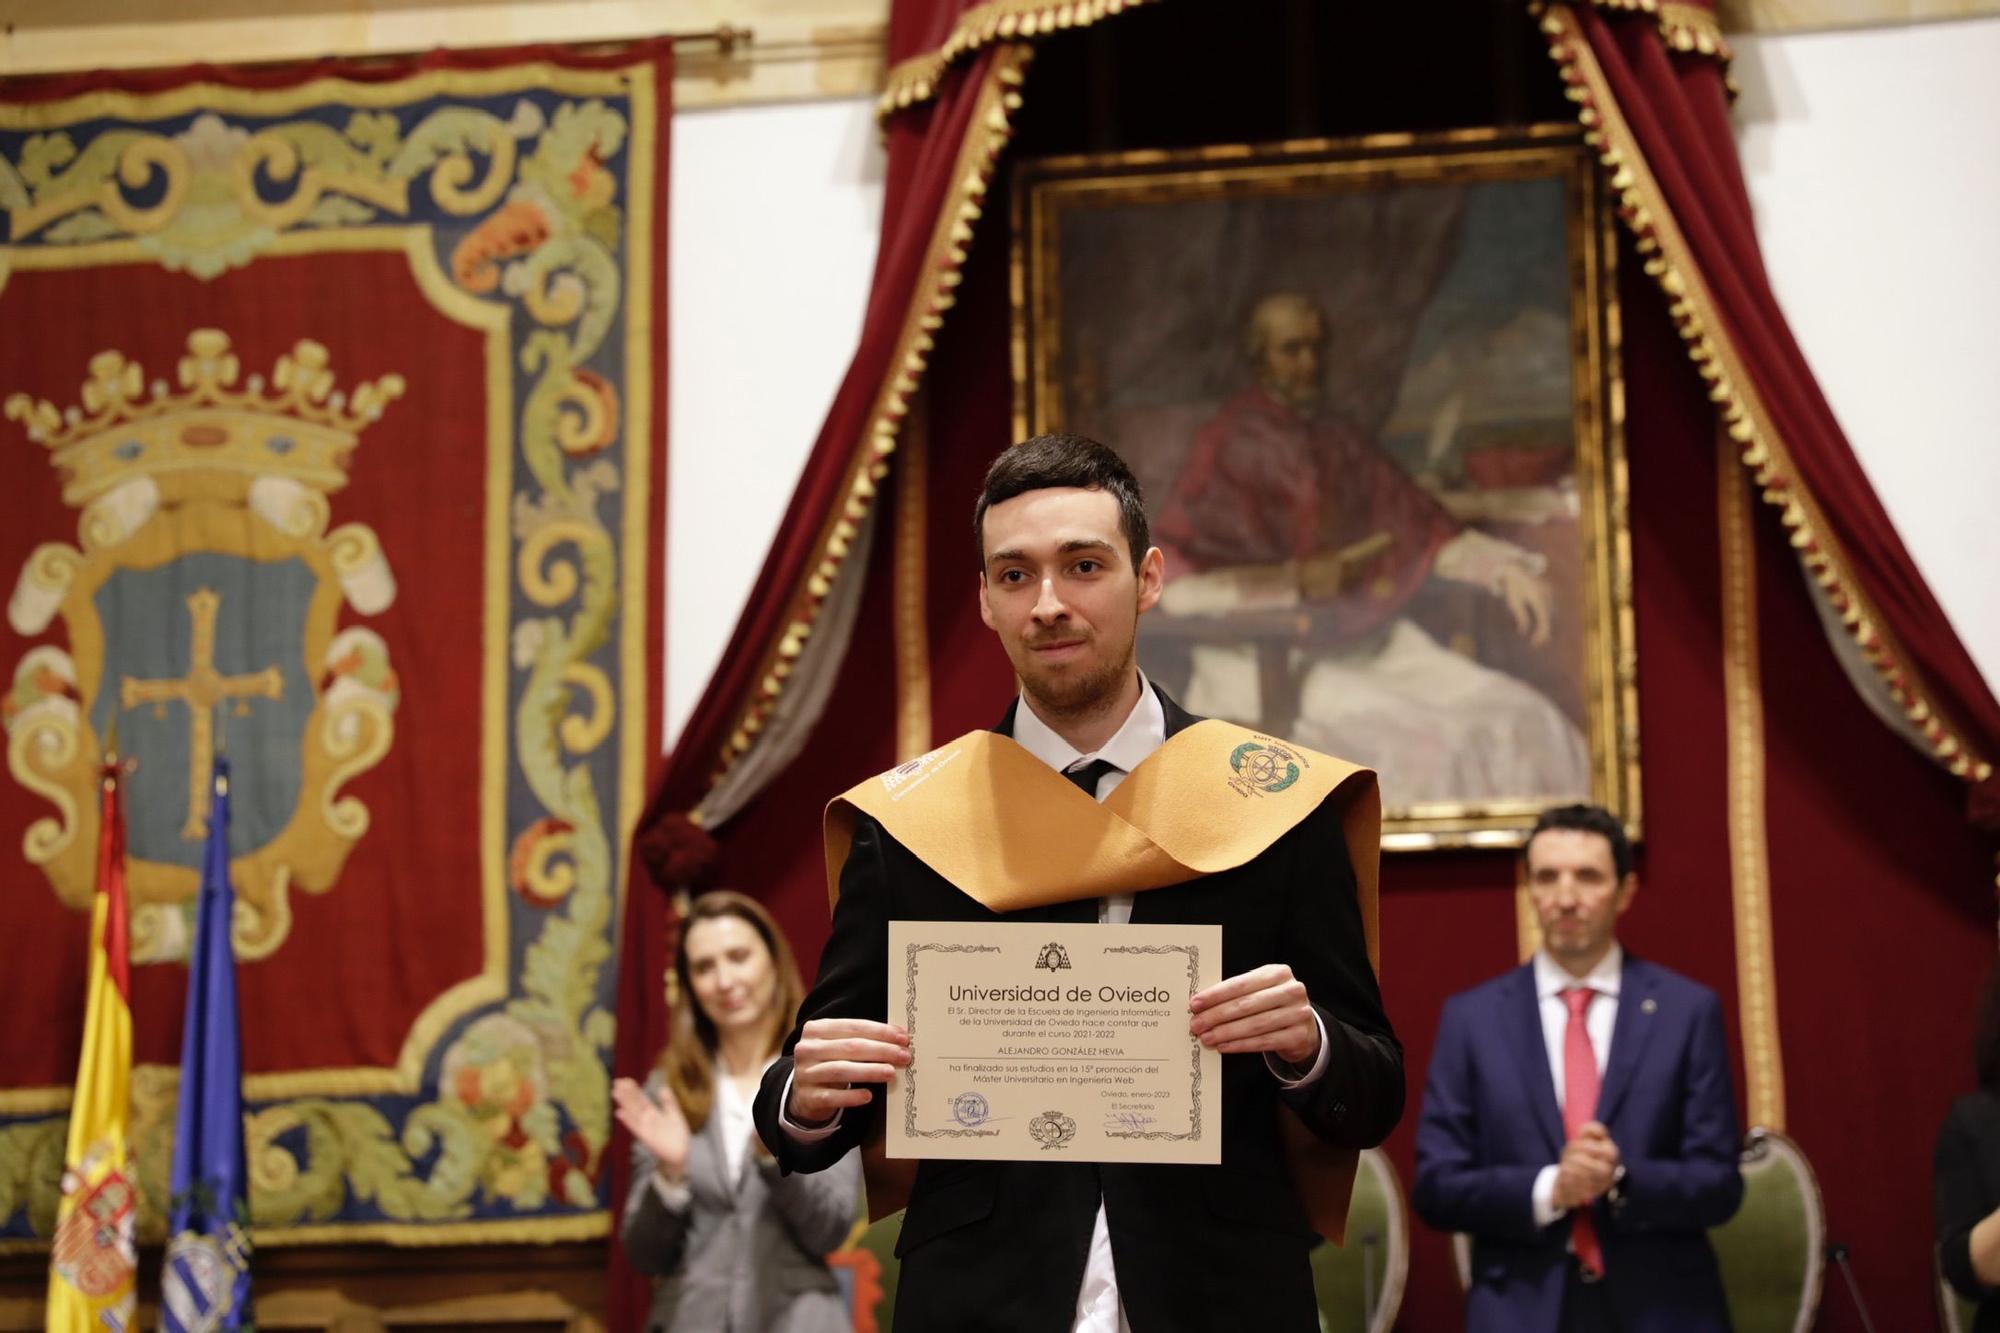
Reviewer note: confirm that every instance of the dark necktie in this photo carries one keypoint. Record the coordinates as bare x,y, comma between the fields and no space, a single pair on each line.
1085,777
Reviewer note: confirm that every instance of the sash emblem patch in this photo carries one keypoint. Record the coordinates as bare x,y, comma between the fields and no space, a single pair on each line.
1262,767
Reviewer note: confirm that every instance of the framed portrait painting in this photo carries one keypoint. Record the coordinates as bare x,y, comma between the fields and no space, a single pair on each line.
1371,389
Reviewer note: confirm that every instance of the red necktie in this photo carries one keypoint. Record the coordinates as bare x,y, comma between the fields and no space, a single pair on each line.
1579,1108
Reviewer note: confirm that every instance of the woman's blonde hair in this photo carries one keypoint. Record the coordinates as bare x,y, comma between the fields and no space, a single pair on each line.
689,1060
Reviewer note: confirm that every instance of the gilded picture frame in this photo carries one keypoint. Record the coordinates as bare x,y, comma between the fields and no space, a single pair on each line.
1371,387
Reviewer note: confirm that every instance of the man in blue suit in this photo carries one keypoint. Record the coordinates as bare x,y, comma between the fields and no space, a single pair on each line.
1579,1120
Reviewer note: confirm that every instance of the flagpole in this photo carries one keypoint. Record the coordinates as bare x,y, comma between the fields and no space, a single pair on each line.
205,1280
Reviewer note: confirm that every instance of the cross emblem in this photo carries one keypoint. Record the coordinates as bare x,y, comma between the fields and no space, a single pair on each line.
202,689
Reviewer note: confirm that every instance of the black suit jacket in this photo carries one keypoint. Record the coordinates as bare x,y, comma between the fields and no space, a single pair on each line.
1002,1245
1967,1188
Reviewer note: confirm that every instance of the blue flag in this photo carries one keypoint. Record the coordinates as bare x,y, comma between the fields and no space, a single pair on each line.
205,1283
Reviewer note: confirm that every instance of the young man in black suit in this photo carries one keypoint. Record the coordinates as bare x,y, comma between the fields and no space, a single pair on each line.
1066,571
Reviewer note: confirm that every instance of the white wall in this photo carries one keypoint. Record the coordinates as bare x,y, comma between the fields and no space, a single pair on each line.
774,218
1874,162
1873,158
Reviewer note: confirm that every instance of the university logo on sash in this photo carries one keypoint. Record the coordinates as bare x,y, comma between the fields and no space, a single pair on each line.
1262,766
201,608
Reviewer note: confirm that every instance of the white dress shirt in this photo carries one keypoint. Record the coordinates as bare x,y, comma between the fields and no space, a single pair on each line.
1551,980
732,1108
1098,1309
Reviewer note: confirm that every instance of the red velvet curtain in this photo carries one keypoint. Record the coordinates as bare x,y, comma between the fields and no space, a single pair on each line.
1675,107
924,149
1845,796
1881,905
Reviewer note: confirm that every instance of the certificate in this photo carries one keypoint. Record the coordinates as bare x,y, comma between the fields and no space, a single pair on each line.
1053,1042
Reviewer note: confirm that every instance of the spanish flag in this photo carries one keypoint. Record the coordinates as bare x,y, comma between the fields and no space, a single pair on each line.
93,1264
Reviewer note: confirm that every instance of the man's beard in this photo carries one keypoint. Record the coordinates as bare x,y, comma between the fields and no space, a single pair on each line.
1081,696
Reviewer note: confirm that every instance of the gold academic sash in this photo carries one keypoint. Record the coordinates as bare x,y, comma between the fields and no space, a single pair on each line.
1213,798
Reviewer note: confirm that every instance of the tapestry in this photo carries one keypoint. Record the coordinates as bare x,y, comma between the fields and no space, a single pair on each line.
332,429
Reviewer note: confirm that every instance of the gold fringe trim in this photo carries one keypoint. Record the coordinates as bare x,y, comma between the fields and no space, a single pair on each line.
1749,855
916,79
1692,28
1688,28
937,291
1669,261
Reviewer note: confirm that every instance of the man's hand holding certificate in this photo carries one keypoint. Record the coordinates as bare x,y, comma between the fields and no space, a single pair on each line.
1044,1041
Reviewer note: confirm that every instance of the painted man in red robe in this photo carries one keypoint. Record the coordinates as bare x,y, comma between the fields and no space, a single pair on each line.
1283,508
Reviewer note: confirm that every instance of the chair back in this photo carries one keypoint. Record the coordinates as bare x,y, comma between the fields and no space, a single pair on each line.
1359,1284
1954,1311
1773,1251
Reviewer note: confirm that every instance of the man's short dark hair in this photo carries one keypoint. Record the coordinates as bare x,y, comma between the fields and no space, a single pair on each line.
1047,462
1588,819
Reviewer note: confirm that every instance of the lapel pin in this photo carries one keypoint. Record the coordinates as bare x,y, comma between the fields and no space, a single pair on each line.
1648,1005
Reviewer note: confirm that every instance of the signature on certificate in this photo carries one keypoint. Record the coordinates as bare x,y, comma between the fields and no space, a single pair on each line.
1126,1122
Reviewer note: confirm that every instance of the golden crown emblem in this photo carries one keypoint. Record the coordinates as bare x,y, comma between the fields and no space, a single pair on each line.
304,428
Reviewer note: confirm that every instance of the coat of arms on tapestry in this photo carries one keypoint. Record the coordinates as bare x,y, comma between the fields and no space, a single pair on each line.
332,428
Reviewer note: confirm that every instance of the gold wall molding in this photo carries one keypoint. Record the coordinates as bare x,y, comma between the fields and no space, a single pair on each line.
1772,16
798,49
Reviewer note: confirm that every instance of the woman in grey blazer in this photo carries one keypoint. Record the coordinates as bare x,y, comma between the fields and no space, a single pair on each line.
737,1246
